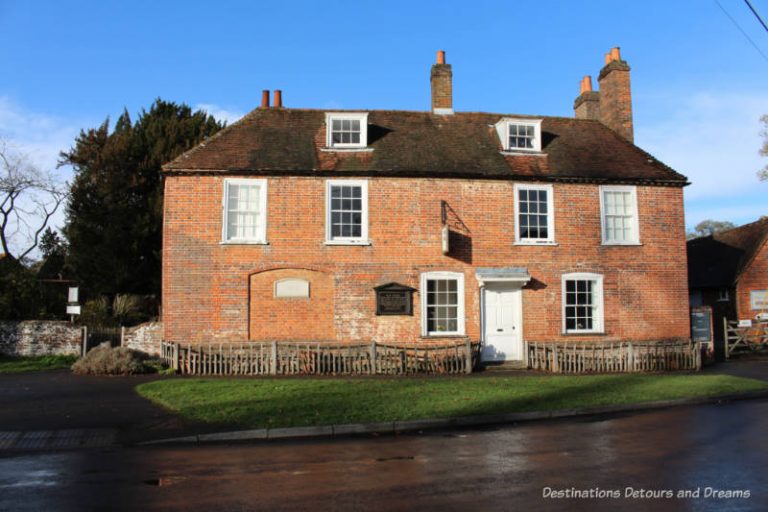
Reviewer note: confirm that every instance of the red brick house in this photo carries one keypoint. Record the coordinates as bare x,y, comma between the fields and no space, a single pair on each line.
402,226
728,271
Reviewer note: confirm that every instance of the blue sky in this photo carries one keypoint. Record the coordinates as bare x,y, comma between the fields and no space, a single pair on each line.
698,84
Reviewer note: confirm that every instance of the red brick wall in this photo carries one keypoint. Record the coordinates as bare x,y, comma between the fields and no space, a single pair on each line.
207,295
294,318
755,277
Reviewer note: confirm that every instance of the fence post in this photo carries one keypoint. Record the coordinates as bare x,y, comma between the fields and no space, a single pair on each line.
468,347
630,357
85,340
373,357
555,365
176,356
273,359
725,336
122,335
698,356
525,354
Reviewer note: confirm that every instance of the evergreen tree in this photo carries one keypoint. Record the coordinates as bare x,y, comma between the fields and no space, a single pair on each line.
114,215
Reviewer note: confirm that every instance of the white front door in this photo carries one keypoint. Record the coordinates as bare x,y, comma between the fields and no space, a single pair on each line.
502,304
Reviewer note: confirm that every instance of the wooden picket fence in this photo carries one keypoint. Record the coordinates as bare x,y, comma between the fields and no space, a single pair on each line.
744,339
613,357
290,358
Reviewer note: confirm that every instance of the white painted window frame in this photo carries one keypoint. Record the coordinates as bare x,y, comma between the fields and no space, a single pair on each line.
363,238
550,240
635,217
503,128
261,238
723,295
598,320
354,116
461,311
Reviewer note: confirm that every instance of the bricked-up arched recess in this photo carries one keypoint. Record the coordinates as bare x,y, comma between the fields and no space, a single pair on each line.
278,318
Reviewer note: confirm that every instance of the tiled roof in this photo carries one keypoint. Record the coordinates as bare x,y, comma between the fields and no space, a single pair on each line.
404,143
718,260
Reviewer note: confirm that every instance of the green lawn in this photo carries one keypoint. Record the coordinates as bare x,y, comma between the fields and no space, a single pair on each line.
255,403
34,363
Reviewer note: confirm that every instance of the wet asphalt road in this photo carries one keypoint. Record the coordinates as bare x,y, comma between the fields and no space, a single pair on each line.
719,446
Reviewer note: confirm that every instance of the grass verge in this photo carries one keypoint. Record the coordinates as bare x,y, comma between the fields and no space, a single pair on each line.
10,364
282,402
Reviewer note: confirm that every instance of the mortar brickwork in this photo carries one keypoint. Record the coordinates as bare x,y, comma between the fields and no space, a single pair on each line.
214,291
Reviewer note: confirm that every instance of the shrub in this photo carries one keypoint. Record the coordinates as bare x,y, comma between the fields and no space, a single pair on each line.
106,360
126,308
96,312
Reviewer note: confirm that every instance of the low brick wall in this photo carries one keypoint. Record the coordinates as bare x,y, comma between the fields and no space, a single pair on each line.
144,337
40,338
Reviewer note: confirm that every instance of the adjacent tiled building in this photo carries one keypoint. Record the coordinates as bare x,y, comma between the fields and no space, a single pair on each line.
400,226
728,271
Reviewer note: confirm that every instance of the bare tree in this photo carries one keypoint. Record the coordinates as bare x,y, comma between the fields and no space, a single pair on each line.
29,198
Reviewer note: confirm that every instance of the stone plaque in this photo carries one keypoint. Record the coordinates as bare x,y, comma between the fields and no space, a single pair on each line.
292,289
394,299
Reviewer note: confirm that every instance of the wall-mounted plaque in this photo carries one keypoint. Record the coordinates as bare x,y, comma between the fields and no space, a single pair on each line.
292,288
394,299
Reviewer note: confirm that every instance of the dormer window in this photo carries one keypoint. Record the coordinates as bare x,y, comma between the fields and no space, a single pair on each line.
522,135
347,130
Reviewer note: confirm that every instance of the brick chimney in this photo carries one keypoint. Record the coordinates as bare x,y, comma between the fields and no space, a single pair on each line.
587,105
616,95
441,80
265,98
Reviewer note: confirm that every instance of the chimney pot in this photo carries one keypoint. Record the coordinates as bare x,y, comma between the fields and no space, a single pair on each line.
441,56
265,98
615,53
608,58
586,84
278,101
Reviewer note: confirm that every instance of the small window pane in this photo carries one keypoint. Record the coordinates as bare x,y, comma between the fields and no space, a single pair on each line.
442,305
346,131
580,308
533,210
619,216
346,213
243,212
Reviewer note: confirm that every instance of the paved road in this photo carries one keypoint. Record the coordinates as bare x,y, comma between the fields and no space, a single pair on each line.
46,406
719,446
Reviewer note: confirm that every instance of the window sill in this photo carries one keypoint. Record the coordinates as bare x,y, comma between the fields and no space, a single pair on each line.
583,333
621,244
347,242
534,244
361,149
243,242
521,152
442,335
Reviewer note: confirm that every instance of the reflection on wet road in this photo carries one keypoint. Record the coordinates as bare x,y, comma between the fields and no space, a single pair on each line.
722,447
